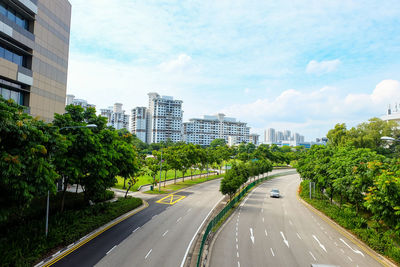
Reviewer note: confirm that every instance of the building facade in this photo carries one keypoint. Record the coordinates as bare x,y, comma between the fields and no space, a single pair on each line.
279,137
139,123
270,135
34,48
204,131
116,117
254,139
164,119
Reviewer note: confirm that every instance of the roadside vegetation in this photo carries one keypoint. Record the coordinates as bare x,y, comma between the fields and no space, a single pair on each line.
78,150
357,182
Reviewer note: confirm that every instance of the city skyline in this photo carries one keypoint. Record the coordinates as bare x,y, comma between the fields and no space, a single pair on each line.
304,66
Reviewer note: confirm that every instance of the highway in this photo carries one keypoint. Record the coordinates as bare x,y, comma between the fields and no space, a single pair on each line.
266,231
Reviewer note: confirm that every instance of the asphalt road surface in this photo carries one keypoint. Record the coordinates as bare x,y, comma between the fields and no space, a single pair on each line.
266,231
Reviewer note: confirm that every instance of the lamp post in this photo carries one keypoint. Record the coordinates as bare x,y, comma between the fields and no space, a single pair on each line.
159,182
48,191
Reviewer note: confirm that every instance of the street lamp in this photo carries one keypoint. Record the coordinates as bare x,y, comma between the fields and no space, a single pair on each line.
387,138
48,191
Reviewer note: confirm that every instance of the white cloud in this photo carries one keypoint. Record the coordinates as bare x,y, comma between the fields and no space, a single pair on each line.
182,63
322,67
316,111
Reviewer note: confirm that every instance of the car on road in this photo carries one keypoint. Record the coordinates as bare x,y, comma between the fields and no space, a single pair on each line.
274,193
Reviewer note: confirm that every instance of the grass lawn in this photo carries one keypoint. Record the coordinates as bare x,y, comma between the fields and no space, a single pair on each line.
148,179
179,185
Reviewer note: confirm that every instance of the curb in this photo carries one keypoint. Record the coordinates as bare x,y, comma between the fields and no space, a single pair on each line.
73,246
346,233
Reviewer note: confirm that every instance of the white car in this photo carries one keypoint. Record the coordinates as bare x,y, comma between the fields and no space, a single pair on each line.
274,193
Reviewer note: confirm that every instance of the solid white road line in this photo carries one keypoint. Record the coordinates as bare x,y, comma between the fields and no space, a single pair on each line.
111,249
198,229
354,250
272,252
312,256
135,230
165,233
322,246
251,235
148,253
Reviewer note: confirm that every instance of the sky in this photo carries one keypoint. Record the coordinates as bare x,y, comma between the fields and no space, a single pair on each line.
302,65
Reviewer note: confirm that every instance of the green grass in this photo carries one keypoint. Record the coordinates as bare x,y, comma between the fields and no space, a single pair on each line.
24,243
148,179
180,185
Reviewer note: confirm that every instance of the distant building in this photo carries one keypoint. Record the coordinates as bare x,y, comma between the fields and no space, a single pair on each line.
270,136
139,123
161,121
78,102
204,131
116,117
254,139
392,115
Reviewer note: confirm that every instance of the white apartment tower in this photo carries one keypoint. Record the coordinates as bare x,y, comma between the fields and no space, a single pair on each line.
139,123
116,117
164,119
204,131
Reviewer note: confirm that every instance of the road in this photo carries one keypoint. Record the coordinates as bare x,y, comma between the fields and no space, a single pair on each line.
266,231
157,236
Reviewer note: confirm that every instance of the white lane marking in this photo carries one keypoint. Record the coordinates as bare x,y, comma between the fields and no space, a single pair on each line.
290,222
354,250
237,254
312,256
238,264
349,258
342,250
335,244
265,231
251,235
236,228
263,219
180,218
284,239
236,240
298,235
272,252
198,229
236,234
135,230
165,233
285,212
262,210
330,238
111,249
189,210
148,253
237,246
322,246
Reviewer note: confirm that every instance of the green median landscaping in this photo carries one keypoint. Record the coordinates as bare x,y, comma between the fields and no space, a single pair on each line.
23,242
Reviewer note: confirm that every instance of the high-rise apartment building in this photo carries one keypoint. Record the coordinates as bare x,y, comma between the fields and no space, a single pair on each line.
139,123
78,102
270,135
254,138
164,119
204,131
116,117
34,47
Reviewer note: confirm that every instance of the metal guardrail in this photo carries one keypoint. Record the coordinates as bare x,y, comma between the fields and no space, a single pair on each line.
230,205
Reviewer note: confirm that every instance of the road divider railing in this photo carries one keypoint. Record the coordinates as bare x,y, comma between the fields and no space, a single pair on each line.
206,239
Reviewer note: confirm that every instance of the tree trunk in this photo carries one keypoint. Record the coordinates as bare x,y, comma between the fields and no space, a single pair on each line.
77,185
165,177
183,175
126,193
124,183
175,178
191,174
64,192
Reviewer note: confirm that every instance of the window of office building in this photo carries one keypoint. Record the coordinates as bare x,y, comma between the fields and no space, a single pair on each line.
14,16
14,95
13,57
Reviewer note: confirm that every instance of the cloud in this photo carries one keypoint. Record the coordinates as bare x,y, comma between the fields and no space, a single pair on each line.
318,110
183,62
322,67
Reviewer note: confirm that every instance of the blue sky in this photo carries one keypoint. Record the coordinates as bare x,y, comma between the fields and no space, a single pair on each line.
302,65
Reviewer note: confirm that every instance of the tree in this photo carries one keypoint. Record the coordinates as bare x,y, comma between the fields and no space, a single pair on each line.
153,166
27,147
217,142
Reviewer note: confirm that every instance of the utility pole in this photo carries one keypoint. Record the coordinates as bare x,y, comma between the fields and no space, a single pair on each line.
159,182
